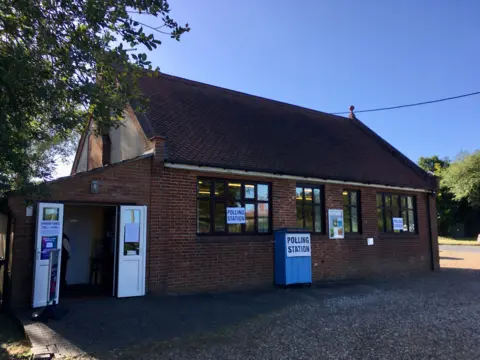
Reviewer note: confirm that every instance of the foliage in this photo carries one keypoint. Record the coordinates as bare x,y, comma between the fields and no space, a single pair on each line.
451,209
447,207
433,164
62,61
452,241
463,178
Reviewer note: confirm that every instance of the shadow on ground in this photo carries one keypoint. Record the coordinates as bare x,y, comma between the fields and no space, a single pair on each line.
12,339
101,326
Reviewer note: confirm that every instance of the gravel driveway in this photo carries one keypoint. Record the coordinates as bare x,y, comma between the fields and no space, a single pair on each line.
428,316
433,316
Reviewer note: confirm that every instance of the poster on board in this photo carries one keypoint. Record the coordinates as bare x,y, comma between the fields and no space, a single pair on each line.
335,224
49,243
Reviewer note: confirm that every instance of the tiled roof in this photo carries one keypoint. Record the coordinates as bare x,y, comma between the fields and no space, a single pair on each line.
211,126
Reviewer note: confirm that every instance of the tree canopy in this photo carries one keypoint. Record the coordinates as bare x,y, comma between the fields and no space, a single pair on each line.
456,194
447,207
463,178
433,164
62,61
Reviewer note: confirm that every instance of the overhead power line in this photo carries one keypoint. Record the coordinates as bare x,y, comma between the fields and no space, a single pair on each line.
409,105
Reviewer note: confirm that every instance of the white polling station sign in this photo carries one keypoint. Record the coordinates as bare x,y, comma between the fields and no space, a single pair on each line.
298,245
235,215
397,223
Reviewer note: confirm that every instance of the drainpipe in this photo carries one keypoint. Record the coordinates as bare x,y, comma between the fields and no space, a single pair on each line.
430,235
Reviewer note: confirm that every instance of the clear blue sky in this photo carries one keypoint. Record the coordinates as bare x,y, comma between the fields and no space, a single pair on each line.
328,55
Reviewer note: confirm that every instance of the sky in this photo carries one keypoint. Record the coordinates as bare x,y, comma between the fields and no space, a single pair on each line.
328,55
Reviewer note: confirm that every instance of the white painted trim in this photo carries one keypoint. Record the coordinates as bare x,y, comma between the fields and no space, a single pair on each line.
288,177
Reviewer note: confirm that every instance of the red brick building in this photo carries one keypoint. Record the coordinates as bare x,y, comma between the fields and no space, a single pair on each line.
199,150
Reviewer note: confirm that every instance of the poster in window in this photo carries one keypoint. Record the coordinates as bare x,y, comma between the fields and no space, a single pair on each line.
397,224
132,233
235,215
335,224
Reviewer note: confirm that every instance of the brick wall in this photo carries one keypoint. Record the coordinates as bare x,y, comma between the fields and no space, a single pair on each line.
181,261
127,182
352,257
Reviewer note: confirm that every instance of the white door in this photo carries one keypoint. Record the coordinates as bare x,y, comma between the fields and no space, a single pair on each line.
48,237
132,251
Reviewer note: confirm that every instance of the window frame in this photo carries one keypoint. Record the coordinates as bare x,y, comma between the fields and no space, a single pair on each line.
358,208
225,200
320,187
400,210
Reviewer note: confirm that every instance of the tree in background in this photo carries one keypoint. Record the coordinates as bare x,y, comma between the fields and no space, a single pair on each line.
447,207
459,194
434,164
463,178
62,61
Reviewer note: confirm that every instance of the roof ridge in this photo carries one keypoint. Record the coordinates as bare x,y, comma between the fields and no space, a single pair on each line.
188,114
244,94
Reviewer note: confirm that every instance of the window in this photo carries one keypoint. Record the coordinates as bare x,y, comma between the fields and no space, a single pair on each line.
391,206
309,207
351,212
215,195
106,149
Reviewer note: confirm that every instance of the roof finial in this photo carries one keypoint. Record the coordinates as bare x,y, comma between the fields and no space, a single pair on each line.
352,115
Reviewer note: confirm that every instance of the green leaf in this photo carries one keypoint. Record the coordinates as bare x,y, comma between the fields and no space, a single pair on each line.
61,63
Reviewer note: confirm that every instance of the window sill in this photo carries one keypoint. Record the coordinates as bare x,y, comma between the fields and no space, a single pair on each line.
234,238
394,234
353,236
348,236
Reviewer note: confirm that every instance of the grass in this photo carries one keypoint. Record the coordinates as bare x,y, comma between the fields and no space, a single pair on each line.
452,241
13,344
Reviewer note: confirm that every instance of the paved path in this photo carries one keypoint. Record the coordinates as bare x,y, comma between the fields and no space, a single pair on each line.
460,248
45,340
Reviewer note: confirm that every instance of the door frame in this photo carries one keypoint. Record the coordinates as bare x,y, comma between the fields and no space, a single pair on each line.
5,263
116,206
116,237
142,256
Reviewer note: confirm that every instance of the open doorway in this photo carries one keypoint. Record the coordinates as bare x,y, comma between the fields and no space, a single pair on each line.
91,232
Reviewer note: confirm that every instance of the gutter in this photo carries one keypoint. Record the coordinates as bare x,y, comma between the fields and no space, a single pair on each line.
286,177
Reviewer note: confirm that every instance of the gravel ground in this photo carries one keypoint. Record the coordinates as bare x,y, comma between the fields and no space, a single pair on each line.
434,316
